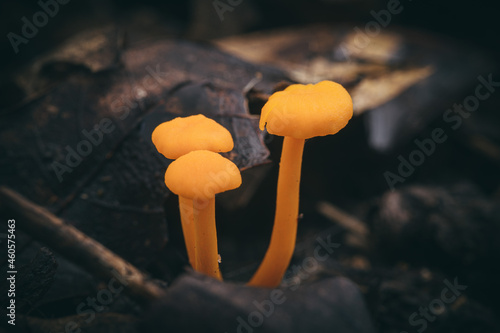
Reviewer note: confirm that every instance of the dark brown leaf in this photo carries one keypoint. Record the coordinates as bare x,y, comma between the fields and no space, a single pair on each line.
83,148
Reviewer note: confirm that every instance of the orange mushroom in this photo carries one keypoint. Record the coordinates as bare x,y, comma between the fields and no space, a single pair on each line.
180,136
299,112
199,176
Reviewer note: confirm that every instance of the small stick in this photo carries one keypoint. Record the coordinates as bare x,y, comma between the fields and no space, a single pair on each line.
77,247
346,220
357,229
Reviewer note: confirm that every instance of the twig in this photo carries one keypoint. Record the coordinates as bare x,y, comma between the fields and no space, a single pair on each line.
357,229
77,247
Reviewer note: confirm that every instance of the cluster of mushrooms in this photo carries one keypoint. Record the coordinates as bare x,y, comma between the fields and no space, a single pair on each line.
199,172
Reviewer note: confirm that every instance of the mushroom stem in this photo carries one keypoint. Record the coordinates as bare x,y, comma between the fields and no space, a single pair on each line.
187,221
207,254
281,247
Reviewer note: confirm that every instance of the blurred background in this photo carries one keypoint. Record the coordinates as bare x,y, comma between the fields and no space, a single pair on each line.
473,23
404,225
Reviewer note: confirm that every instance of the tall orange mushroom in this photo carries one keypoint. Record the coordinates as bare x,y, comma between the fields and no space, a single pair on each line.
180,136
199,176
299,112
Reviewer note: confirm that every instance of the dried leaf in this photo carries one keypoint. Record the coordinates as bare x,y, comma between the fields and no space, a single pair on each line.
405,77
83,148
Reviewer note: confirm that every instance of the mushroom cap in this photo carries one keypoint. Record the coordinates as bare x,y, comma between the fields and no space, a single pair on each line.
181,135
201,174
305,111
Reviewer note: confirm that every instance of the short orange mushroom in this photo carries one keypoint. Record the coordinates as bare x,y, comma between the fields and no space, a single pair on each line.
180,136
299,112
199,176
